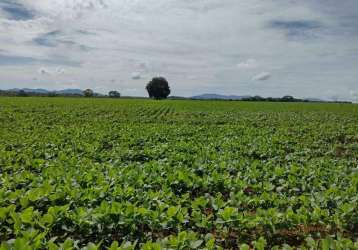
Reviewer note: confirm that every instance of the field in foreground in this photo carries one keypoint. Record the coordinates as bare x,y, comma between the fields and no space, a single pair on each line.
140,174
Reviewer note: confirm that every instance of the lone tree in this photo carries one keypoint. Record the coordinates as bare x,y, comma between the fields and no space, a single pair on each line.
114,94
88,93
158,88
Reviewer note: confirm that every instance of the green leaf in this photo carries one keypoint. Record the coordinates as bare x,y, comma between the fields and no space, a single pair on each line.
196,244
228,212
210,244
151,246
260,244
172,211
47,219
27,216
3,213
114,246
244,247
91,246
68,245
21,244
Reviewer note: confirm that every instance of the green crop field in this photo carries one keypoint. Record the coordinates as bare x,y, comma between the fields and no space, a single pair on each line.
142,174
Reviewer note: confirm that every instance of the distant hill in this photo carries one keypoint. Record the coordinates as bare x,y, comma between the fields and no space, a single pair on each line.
70,91
45,91
314,100
219,97
254,98
40,91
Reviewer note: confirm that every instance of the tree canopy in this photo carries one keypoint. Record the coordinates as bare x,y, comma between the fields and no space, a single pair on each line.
88,93
114,94
158,88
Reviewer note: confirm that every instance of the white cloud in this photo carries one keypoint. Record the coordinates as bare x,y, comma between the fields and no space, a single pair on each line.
354,95
262,76
60,71
51,72
248,64
136,76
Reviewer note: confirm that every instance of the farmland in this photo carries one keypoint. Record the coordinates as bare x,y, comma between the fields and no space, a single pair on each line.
141,174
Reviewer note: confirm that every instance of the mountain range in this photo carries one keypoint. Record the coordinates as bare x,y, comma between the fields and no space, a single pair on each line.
236,97
219,97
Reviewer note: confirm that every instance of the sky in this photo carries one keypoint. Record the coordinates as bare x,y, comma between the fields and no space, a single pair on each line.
304,48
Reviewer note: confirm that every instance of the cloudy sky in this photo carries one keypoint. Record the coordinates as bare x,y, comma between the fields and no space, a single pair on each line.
305,48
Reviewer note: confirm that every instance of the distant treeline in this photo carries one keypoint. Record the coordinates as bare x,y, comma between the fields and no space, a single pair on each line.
267,99
287,98
22,93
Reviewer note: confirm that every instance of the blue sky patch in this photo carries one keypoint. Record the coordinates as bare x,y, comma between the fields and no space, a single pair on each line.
15,60
54,39
16,11
7,60
296,28
48,39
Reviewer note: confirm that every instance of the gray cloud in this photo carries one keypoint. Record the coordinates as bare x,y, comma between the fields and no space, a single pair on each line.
354,95
295,25
248,64
85,32
262,76
296,28
43,71
6,60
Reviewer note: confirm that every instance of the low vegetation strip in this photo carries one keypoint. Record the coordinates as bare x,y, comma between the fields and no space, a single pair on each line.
128,174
